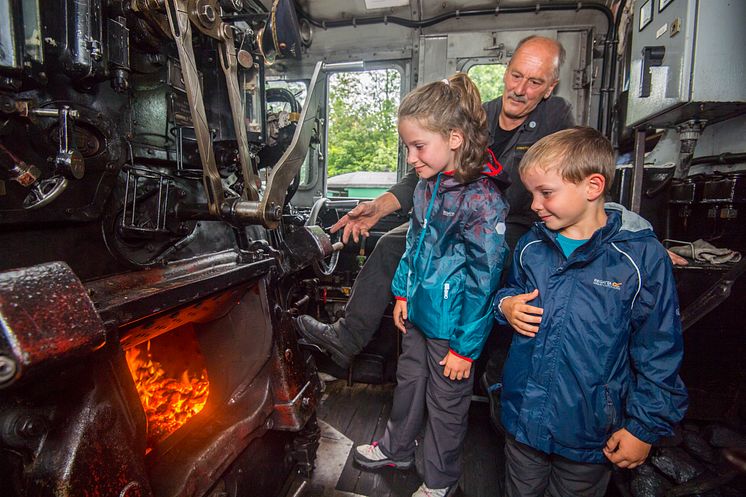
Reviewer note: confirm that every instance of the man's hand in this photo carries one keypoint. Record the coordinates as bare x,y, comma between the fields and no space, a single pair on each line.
400,314
677,259
522,317
626,450
359,221
456,368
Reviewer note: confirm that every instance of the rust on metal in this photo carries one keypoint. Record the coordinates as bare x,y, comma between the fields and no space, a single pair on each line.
46,316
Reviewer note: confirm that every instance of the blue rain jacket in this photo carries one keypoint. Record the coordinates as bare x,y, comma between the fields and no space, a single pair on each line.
609,346
455,252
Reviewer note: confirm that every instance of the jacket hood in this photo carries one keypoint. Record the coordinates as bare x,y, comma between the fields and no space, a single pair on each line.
630,221
492,170
621,225
628,225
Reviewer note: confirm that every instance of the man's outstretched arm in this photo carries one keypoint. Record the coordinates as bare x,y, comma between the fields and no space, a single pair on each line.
359,221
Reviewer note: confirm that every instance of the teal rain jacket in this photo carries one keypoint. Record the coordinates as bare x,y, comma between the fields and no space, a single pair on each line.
455,252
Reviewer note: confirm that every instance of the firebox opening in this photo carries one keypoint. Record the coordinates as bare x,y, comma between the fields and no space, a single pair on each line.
171,378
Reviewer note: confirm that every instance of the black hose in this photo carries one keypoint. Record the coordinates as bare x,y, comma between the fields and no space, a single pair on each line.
425,23
608,92
724,158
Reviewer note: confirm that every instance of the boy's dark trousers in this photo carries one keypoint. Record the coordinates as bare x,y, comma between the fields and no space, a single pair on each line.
420,382
532,473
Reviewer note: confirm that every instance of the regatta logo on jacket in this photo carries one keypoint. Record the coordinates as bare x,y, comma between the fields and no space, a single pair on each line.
614,285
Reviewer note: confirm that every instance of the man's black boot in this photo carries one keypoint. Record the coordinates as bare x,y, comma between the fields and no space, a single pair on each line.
324,336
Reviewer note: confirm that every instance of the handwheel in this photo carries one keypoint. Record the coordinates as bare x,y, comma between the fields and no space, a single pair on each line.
318,214
44,192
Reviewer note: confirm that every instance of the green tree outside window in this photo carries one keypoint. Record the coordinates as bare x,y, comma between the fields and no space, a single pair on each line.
362,121
489,80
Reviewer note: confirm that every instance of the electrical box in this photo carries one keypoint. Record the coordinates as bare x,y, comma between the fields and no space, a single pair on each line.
688,61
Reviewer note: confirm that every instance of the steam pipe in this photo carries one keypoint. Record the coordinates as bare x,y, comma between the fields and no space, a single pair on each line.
611,92
426,23
724,158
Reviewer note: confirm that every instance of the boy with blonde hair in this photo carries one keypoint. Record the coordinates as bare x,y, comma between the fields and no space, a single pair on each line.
592,373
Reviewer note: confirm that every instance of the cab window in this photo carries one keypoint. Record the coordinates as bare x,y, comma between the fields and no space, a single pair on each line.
489,79
286,96
363,142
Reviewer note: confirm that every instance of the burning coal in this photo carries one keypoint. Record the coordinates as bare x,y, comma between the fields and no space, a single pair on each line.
169,399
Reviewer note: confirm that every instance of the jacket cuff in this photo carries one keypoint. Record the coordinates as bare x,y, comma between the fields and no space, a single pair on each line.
635,428
460,356
499,305
498,311
403,299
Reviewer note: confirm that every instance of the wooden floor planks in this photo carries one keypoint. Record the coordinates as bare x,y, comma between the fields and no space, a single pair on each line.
361,411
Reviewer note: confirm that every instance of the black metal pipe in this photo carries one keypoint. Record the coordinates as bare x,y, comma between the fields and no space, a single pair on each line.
425,23
724,158
638,170
611,91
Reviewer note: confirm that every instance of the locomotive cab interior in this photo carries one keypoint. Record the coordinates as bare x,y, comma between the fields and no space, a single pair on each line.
169,174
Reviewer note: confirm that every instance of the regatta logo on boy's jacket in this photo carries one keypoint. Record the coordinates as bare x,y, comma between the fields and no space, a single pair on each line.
607,284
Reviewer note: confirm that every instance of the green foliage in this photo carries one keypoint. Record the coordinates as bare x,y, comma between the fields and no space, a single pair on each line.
362,116
489,80
362,121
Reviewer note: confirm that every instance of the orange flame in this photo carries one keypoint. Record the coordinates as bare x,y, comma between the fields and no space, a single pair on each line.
168,401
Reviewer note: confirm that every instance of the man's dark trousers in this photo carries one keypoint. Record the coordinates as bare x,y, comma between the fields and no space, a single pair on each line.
371,292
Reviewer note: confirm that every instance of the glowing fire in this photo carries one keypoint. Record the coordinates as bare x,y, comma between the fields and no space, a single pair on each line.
169,400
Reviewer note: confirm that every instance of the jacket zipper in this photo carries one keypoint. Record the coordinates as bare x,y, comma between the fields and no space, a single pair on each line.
427,219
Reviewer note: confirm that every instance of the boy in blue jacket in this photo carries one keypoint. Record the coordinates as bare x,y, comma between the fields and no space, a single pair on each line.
592,373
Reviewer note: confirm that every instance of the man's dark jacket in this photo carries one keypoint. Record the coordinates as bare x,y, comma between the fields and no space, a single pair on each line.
551,115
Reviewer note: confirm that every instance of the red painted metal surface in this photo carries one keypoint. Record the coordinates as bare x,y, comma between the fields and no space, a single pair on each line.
47,317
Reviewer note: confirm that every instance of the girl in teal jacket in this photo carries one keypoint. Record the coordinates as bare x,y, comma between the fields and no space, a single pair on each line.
445,281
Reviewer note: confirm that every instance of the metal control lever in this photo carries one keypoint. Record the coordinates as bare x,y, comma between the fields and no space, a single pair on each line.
68,162
181,29
229,63
249,209
206,19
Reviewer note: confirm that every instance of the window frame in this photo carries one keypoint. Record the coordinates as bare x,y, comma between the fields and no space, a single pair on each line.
402,67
